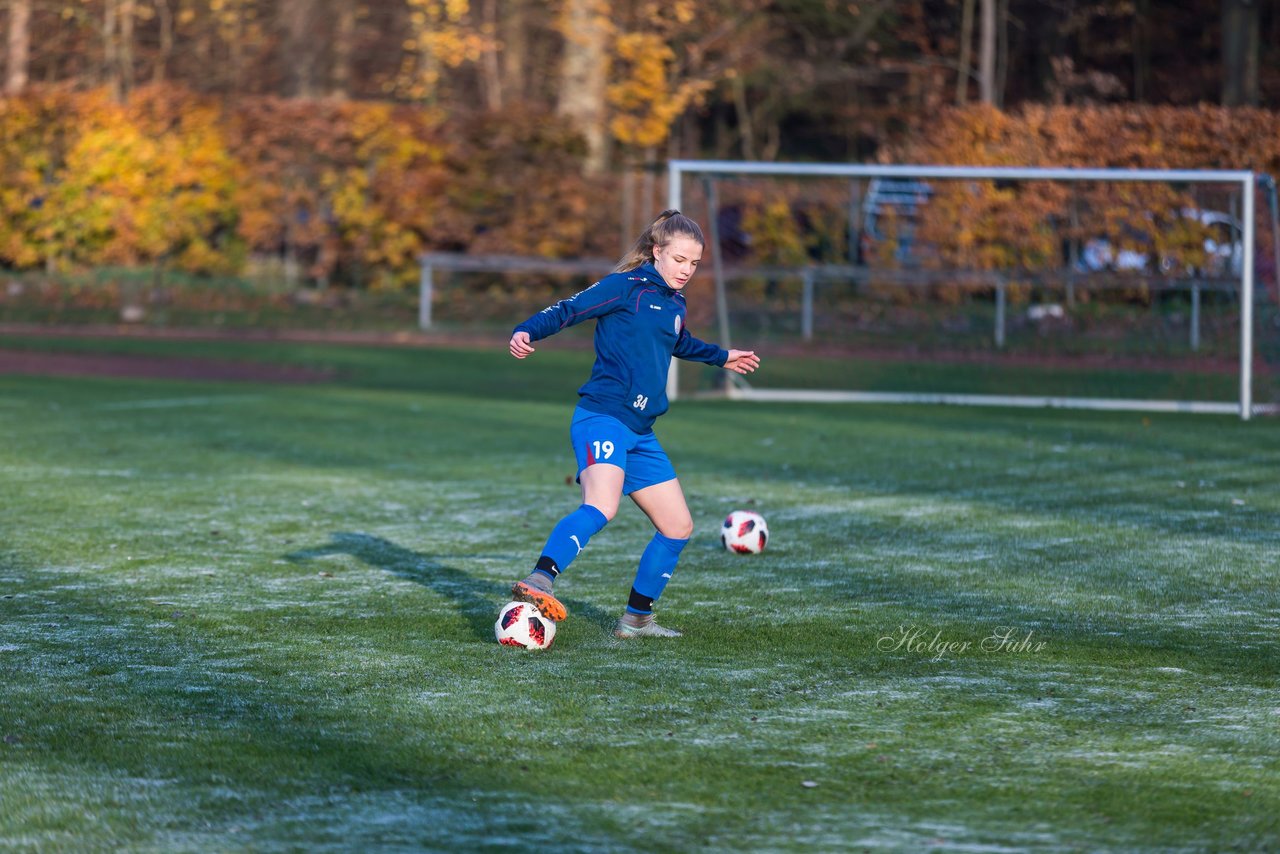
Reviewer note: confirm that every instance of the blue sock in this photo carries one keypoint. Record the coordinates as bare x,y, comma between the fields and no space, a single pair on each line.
656,567
568,538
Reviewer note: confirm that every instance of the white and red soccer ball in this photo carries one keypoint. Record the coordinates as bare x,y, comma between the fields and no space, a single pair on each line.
520,624
744,532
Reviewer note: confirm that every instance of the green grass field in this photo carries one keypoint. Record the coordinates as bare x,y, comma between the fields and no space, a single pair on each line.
259,617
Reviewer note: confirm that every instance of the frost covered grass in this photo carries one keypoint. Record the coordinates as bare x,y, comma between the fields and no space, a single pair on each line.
251,617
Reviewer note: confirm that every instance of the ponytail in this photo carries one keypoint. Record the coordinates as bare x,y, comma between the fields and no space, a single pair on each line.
669,225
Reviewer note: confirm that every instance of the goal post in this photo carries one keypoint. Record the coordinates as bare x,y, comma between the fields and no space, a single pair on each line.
1240,278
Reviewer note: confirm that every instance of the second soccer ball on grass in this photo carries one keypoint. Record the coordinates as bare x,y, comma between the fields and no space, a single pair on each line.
744,532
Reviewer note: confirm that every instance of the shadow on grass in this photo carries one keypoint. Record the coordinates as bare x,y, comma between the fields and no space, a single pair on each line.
255,748
478,600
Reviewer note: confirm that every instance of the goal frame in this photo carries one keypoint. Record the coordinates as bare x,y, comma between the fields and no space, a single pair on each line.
678,170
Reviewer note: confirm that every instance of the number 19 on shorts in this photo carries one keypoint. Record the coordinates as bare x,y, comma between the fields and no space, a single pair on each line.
602,450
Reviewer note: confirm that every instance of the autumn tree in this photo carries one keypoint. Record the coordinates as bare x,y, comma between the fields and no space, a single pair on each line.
586,27
1240,44
442,37
299,23
142,184
19,47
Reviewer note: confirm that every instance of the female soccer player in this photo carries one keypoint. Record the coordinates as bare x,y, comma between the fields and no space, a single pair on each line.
639,311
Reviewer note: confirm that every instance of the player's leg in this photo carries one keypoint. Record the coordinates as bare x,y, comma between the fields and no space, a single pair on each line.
664,503
600,446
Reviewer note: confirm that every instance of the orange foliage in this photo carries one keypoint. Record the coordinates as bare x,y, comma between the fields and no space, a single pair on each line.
517,187
1021,225
645,100
95,182
345,187
353,191
34,136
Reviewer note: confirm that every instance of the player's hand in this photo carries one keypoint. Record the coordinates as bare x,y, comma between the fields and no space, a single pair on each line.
742,361
519,345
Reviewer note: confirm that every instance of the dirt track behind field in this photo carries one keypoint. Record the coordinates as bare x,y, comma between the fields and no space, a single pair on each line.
34,363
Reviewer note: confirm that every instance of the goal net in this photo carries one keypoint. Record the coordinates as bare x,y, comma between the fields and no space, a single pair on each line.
1146,290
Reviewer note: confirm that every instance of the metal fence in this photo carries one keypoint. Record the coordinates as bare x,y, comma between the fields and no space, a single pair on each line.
810,277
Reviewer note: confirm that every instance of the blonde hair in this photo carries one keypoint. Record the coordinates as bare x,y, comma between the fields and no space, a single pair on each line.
668,226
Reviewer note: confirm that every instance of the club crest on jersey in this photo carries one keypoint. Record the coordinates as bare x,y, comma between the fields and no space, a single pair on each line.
677,324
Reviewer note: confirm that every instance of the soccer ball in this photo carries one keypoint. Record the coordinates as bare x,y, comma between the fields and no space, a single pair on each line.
520,624
744,532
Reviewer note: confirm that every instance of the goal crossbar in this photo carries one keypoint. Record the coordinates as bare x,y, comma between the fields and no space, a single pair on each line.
1247,181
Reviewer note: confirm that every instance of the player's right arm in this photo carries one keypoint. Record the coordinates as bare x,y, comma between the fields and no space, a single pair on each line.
519,344
599,299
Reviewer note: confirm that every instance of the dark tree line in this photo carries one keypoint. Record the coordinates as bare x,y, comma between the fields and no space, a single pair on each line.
741,78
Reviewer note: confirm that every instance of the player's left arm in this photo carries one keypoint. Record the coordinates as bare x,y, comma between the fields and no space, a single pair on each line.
742,361
694,350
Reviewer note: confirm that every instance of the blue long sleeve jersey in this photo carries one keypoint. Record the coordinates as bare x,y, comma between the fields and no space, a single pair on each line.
639,327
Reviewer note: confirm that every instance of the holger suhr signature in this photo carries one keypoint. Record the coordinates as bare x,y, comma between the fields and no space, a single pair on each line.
920,640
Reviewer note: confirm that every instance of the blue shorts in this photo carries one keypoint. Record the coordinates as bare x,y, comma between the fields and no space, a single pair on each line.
604,439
